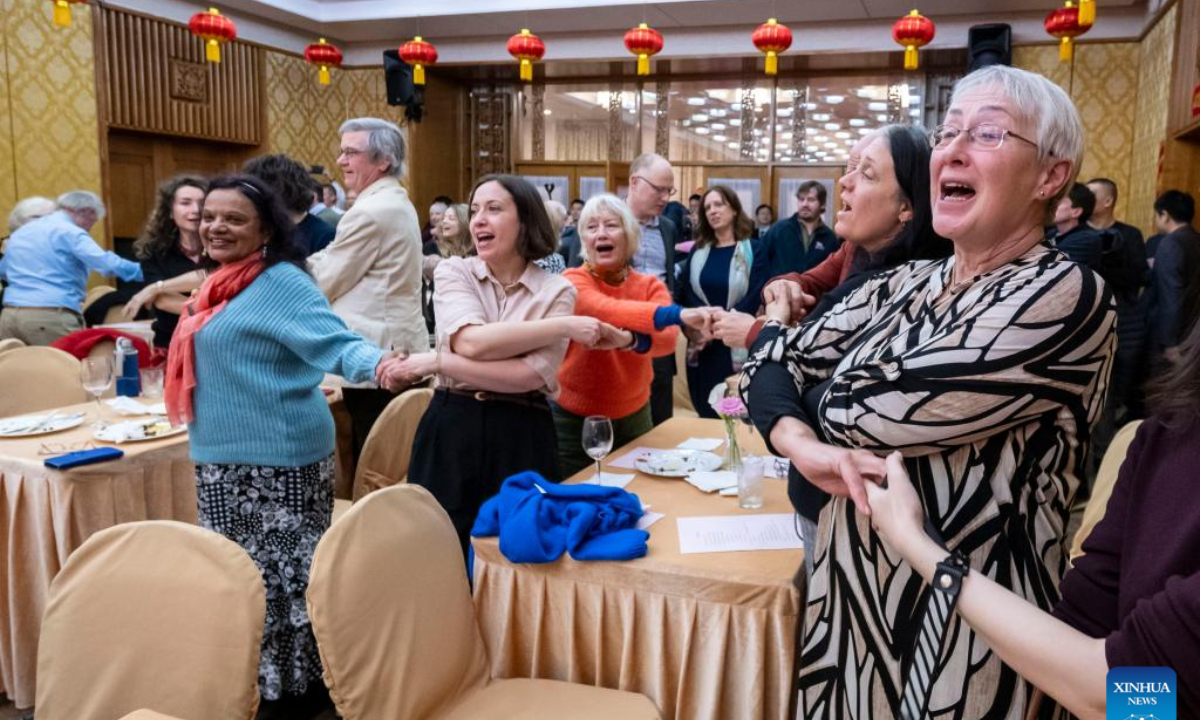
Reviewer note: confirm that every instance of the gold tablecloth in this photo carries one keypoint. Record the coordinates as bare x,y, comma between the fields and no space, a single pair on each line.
45,514
705,636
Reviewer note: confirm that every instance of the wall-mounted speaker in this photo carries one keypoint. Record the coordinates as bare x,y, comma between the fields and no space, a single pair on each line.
400,88
988,45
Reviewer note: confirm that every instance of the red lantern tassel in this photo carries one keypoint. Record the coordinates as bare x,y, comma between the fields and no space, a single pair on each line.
772,62
323,75
418,74
1064,50
212,51
643,64
62,13
1087,13
910,57
526,70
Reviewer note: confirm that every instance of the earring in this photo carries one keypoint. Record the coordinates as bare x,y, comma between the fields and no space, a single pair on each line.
264,251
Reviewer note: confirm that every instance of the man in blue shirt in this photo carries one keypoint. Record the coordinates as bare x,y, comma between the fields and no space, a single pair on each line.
802,241
46,265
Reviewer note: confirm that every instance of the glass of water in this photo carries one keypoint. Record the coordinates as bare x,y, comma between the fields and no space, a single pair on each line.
597,439
750,483
96,375
152,382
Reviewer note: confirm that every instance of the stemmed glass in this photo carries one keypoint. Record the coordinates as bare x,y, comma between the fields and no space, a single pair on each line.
597,441
96,374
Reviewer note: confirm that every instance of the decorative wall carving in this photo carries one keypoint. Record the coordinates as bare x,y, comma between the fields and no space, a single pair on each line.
537,117
189,81
662,121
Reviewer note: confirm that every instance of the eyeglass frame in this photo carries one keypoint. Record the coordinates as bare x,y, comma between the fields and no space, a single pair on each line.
668,191
351,152
970,133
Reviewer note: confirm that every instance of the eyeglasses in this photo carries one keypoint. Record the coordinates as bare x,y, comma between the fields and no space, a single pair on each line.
985,136
668,191
350,152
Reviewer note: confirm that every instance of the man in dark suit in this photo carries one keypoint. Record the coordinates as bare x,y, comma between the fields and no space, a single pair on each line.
651,185
799,243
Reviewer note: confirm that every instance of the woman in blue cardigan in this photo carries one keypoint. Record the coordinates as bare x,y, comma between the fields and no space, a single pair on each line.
244,369
725,269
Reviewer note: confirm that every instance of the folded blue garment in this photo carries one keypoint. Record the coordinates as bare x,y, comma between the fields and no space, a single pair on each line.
538,520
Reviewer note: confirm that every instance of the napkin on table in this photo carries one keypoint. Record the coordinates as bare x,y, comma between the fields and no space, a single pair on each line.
129,406
714,480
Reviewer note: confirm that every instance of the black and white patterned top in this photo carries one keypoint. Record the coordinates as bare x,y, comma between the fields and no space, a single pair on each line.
988,389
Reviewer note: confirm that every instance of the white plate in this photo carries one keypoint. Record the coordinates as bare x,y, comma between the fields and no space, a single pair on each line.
29,425
677,463
128,431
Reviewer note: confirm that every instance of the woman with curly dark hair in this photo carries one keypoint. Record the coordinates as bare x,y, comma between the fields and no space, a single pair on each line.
170,246
244,374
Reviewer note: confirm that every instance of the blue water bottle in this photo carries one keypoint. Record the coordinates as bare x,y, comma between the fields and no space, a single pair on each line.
129,382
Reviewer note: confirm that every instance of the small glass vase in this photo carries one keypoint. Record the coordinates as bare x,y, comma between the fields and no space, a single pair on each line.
733,449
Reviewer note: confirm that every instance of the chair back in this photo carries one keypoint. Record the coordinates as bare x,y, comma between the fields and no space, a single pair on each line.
1106,477
157,614
391,610
96,293
147,715
681,400
38,378
10,344
115,314
388,449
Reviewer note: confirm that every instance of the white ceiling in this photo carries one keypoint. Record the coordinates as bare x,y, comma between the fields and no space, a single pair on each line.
473,31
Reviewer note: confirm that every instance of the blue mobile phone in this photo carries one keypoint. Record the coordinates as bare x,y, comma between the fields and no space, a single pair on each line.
83,457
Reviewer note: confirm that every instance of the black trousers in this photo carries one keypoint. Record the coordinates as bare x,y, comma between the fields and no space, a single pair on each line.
465,448
662,390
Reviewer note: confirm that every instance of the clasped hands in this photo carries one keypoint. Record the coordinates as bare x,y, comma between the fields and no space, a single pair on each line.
784,301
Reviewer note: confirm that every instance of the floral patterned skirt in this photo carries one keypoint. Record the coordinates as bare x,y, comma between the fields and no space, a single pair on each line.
277,514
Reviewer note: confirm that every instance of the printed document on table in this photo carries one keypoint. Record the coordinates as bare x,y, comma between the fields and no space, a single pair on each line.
732,533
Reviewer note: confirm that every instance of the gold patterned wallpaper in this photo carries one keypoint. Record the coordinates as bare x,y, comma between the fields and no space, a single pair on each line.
303,116
1153,98
49,137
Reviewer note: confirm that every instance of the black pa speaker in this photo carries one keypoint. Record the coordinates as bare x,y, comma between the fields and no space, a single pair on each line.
400,87
988,45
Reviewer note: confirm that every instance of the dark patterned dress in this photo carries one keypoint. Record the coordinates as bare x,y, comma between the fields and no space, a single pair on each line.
277,514
988,389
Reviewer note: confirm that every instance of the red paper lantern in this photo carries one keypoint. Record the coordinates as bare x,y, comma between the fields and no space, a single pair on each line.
528,48
914,30
213,28
1063,23
62,11
772,39
324,56
643,41
418,53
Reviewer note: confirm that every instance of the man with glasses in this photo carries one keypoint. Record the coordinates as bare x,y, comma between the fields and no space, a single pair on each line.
802,241
651,187
371,272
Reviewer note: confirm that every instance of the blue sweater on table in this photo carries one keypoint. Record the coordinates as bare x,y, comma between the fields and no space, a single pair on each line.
259,365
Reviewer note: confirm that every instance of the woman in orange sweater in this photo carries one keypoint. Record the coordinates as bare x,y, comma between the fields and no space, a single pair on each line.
614,383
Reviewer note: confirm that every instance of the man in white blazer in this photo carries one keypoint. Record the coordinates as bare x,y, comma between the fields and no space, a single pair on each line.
371,272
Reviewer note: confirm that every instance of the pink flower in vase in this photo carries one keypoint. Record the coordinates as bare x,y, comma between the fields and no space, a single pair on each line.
730,407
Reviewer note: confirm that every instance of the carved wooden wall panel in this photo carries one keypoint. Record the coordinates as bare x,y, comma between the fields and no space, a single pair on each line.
158,81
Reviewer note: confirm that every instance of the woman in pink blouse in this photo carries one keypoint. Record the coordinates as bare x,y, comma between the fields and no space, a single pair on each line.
503,326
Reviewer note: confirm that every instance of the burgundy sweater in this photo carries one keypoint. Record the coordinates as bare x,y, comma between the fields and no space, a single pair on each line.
1138,583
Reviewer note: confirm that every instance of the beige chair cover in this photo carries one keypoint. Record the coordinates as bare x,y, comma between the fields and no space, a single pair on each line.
10,344
1102,489
157,614
404,643
96,293
147,715
679,386
388,449
38,378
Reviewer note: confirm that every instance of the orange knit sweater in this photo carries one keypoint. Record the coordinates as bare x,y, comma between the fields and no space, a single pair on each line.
615,383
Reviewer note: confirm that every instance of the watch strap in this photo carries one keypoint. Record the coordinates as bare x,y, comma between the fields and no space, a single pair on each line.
942,597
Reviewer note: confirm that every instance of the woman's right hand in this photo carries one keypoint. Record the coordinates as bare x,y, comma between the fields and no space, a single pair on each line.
586,331
786,301
144,297
838,471
699,320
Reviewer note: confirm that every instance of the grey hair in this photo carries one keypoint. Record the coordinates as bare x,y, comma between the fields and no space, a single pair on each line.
557,214
31,208
385,141
645,160
613,205
1039,102
81,200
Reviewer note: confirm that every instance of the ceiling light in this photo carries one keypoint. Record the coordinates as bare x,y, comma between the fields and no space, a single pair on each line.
696,101
732,143
857,122
834,99
811,131
865,131
843,135
877,106
832,145
881,117
736,122
785,112
915,112
701,131
832,126
736,107
547,112
717,126
699,117
718,112
720,138
787,136
821,117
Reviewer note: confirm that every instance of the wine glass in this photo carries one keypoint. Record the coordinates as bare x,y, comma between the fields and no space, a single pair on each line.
96,374
597,441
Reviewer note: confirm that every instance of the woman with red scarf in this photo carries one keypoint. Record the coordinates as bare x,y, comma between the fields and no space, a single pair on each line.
244,370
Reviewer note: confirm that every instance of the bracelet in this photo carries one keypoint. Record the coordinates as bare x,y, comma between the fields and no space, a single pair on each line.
158,287
633,343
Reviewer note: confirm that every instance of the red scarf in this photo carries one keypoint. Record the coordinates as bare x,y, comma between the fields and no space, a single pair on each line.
216,292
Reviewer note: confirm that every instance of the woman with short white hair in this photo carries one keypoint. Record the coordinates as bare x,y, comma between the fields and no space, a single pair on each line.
984,371
614,383
31,208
